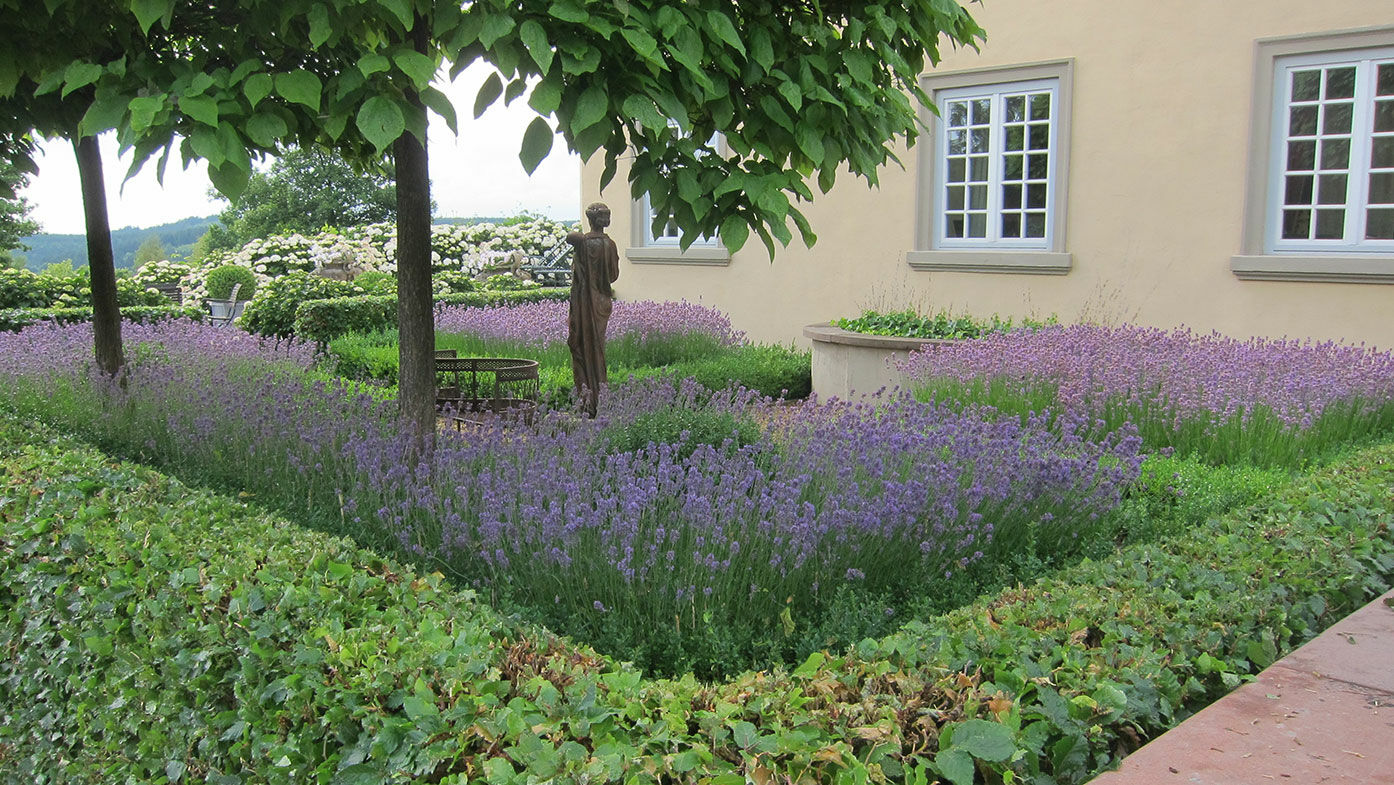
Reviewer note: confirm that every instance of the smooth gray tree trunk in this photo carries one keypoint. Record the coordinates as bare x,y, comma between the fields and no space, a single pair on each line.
101,262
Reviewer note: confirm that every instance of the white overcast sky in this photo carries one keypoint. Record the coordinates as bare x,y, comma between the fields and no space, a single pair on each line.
474,174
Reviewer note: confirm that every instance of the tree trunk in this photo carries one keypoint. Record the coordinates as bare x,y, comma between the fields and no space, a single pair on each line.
101,262
416,377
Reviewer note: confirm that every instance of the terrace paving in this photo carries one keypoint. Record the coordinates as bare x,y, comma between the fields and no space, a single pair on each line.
1322,714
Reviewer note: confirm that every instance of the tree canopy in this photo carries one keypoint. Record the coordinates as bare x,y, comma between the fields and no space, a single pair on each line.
15,221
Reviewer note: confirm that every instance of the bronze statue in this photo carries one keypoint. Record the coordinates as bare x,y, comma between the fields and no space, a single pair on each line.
595,267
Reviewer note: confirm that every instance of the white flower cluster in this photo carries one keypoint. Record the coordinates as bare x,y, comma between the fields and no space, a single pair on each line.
164,271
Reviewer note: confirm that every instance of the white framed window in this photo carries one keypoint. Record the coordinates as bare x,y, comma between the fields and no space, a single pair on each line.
996,150
1331,177
664,244
993,172
669,235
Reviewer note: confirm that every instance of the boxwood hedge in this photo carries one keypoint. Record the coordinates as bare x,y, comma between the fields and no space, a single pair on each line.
16,319
323,320
154,633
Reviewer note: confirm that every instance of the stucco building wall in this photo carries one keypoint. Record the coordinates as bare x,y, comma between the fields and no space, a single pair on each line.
1159,156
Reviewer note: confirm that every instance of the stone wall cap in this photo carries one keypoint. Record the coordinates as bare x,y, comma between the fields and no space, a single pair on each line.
825,332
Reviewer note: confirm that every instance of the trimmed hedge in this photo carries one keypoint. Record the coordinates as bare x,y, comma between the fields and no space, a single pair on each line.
16,319
324,320
159,634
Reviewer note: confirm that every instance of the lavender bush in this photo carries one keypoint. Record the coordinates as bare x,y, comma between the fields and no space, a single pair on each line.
1268,402
664,549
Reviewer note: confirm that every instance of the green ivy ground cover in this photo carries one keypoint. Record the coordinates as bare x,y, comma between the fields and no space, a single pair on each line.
154,633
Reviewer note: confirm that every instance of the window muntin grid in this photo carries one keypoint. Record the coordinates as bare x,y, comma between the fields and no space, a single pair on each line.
996,179
1333,172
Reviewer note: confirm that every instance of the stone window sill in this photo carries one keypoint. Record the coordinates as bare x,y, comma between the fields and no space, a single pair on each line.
1018,262
1365,268
700,256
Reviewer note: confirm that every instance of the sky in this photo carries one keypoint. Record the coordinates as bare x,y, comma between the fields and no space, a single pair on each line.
474,174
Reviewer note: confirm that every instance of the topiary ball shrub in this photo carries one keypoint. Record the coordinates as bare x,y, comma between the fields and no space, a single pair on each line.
222,279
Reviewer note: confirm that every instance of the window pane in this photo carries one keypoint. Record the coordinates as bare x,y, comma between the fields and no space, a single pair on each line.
955,201
1386,80
957,143
1011,224
1302,121
1382,188
1015,108
1035,224
977,225
1384,116
1299,190
956,170
1016,137
958,114
977,169
1379,224
1331,224
953,225
1382,152
1040,137
1340,83
1036,195
1336,118
977,197
1038,166
979,139
982,113
1011,197
1297,224
1040,106
1332,189
1302,155
1011,165
1306,85
1335,153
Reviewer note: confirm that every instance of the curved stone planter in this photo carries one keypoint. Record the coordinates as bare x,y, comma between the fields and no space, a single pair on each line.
848,364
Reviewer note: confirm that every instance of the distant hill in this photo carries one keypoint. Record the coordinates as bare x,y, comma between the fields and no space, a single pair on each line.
178,238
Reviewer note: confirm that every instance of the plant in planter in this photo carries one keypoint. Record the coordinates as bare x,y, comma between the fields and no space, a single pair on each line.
221,283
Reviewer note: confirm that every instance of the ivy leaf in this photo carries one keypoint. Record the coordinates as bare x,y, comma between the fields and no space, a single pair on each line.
257,87
535,39
956,766
381,122
320,29
488,93
420,68
202,109
80,75
359,774
537,143
990,741
147,11
301,87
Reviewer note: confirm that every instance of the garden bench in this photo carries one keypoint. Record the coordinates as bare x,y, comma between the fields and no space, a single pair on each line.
169,290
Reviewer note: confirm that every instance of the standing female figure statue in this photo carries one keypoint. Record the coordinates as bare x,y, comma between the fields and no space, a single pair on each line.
595,267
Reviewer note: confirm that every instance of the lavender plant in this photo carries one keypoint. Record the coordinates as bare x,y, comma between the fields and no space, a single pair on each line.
1267,402
663,547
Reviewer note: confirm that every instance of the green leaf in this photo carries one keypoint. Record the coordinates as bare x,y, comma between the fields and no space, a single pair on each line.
147,11
440,104
360,774
643,43
496,26
955,765
80,75
381,122
266,128
643,110
143,111
418,707
537,143
320,29
175,769
761,49
743,733
734,232
991,741
515,88
99,645
400,9
569,11
546,96
488,93
420,68
498,771
590,108
535,39
105,113
202,109
815,660
373,63
257,87
810,141
721,24
301,87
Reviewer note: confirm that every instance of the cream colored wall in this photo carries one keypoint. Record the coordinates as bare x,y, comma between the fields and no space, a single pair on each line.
1159,146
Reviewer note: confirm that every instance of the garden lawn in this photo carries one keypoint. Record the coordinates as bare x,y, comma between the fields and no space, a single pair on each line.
156,633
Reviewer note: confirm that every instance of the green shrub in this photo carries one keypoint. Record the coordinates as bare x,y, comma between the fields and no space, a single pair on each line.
221,280
324,320
453,282
504,282
773,371
291,656
909,324
685,428
23,289
272,311
376,282
15,319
